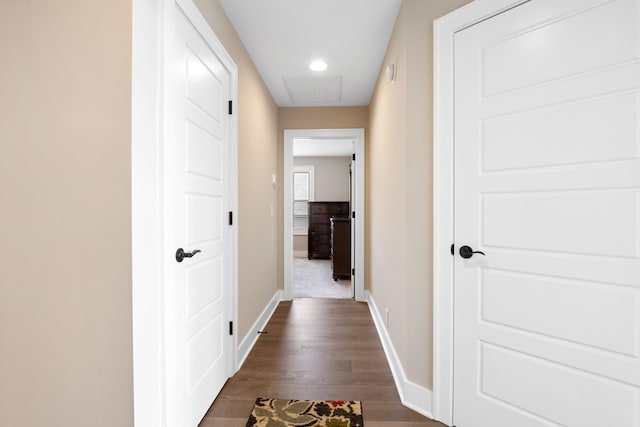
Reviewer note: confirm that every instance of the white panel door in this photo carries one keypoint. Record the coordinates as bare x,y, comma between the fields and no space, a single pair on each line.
547,185
197,164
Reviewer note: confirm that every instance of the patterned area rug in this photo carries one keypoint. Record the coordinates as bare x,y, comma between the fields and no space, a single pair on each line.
305,413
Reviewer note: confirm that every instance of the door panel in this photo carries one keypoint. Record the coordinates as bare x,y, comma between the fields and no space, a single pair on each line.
538,386
540,49
574,311
556,221
204,88
563,134
204,153
547,184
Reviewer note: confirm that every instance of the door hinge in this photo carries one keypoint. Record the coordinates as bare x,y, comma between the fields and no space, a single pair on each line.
230,107
230,218
353,271
231,328
353,157
452,253
353,214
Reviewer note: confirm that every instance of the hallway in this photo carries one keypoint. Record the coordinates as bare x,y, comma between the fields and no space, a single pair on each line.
316,349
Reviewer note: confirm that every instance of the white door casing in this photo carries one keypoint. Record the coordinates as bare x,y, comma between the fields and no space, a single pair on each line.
357,135
547,184
353,190
192,165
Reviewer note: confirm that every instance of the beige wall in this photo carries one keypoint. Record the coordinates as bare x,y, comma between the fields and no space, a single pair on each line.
399,248
300,244
258,140
331,175
65,214
312,118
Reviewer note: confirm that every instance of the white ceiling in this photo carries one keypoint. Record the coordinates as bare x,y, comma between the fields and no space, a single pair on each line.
284,36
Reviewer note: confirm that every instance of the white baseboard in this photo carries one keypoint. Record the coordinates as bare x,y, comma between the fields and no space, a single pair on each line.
412,395
252,336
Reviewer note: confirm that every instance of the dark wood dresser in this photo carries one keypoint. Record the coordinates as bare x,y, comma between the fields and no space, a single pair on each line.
341,248
319,236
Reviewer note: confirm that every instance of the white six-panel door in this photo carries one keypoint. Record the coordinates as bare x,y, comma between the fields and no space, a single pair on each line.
197,161
547,185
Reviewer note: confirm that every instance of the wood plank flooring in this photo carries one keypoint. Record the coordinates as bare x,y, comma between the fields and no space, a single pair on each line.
317,349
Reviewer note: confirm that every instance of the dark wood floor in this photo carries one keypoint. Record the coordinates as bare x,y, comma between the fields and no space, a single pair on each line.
317,349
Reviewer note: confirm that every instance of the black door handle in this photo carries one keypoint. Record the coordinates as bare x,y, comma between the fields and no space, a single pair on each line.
181,254
467,252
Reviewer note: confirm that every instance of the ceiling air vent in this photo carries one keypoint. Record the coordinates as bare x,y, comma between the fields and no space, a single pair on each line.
314,90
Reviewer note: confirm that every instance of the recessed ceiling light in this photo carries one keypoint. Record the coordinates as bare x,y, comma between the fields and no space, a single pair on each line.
318,66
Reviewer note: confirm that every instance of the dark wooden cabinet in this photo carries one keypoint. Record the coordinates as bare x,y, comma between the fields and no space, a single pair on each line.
319,235
341,248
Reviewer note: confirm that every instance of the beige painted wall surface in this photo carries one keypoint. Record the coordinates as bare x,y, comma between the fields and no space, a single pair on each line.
331,176
399,256
300,244
386,264
312,118
257,160
65,215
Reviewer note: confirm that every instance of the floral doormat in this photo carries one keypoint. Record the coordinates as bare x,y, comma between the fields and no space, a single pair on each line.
305,413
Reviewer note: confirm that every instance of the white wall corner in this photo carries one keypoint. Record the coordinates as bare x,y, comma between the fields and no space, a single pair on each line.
412,395
251,338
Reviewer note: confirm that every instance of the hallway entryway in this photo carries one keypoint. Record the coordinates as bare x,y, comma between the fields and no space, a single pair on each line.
353,204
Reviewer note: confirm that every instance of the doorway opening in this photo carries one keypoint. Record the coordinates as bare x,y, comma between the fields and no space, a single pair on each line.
324,213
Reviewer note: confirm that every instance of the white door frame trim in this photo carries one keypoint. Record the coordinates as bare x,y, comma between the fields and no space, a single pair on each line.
443,225
150,31
357,134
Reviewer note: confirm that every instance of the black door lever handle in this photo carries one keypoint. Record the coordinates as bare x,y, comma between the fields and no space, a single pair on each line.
467,252
181,254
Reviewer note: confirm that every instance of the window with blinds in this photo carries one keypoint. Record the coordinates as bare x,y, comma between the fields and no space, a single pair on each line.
302,195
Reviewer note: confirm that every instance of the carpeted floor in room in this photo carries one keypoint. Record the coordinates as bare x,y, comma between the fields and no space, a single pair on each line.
313,279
